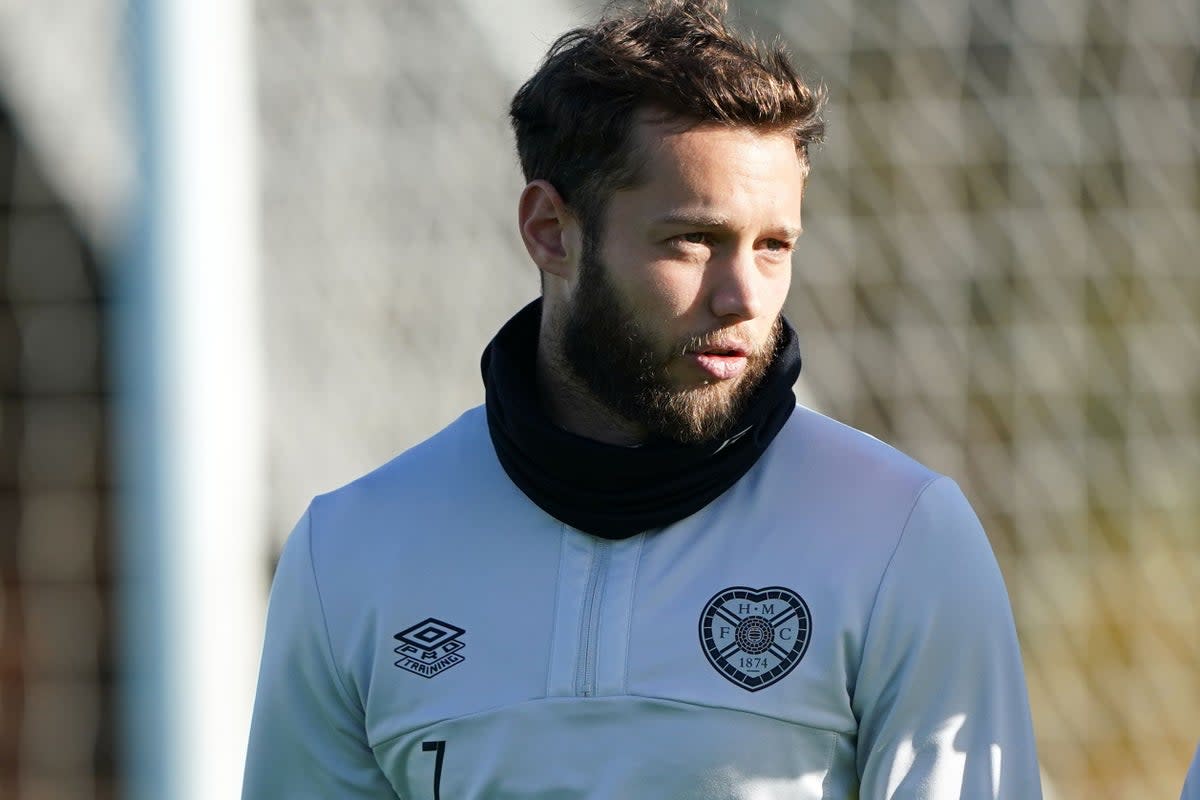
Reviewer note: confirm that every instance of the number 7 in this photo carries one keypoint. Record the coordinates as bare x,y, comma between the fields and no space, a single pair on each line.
440,748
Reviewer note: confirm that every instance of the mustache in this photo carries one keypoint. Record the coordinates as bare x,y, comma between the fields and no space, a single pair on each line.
731,338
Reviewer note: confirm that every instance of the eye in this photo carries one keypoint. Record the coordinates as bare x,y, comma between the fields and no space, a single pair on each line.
695,237
777,245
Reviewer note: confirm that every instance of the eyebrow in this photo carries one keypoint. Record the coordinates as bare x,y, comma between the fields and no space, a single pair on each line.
700,219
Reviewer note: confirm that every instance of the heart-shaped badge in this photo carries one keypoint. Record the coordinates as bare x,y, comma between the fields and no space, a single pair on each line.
754,637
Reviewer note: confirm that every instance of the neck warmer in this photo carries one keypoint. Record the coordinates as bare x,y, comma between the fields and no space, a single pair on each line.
611,491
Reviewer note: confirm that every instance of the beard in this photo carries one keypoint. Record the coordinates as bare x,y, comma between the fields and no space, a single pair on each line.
618,361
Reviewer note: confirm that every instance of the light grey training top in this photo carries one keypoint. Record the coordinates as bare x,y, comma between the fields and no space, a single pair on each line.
833,626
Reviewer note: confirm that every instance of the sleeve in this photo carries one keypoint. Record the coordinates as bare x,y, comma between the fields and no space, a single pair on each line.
940,695
307,735
1191,784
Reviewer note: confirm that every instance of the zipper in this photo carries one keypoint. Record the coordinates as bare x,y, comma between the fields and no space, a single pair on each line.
589,632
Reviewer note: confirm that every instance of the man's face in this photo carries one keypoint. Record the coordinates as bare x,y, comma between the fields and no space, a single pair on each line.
675,313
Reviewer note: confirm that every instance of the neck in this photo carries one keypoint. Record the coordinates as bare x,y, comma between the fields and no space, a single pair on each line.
571,406
567,464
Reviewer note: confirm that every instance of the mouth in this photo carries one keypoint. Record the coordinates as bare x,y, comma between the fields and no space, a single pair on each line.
720,362
724,352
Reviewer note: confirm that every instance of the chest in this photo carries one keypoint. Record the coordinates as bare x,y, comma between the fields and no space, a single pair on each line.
727,653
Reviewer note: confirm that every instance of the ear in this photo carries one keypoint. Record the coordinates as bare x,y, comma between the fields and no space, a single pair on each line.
549,230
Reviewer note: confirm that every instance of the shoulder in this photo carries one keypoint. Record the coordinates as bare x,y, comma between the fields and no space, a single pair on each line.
840,446
415,491
866,496
461,444
825,458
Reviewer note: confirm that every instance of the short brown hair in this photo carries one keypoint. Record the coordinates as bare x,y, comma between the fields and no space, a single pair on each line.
574,117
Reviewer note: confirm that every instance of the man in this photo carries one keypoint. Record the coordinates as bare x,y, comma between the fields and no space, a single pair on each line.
640,570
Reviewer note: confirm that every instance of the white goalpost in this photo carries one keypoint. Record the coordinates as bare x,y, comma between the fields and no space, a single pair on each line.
191,449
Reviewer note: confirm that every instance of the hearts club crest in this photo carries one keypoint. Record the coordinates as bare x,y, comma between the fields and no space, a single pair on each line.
755,637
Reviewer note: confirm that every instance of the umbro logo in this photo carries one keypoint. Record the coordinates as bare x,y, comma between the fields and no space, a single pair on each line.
430,647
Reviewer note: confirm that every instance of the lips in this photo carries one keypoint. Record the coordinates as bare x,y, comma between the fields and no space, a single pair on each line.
720,358
719,367
719,362
723,352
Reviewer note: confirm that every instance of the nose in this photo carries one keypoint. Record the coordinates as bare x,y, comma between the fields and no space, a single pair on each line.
737,287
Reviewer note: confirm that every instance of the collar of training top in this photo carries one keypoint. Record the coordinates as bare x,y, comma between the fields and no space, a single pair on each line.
607,490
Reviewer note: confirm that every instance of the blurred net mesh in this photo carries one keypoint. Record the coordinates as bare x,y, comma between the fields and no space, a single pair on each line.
1000,275
57,721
